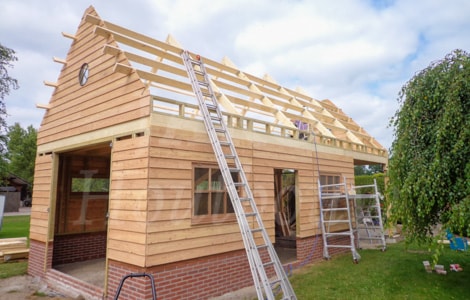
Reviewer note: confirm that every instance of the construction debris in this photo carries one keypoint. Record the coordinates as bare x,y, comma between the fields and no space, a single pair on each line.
13,249
427,266
456,268
440,269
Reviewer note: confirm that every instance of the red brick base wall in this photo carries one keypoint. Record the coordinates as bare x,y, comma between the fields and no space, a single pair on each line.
36,263
194,279
200,278
79,247
311,249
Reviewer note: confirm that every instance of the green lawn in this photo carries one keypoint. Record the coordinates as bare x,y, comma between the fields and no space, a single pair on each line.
14,226
397,273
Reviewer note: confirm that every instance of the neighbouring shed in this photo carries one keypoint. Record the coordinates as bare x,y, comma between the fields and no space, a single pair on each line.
125,173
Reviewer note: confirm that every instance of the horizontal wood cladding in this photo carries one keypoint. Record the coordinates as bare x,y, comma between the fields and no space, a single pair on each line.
108,98
39,221
128,205
172,153
171,234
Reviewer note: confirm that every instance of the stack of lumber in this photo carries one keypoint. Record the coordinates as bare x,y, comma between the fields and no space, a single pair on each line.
13,248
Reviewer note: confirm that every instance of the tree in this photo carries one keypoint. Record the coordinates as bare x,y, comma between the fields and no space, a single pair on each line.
7,56
22,151
429,167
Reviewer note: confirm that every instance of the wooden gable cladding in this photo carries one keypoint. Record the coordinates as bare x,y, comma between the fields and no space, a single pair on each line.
106,99
160,67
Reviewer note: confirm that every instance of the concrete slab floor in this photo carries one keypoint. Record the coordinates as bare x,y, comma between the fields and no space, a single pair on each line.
91,271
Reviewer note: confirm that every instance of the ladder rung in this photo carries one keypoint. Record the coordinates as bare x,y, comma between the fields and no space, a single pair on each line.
341,196
223,143
230,156
216,118
221,130
336,221
203,83
245,199
252,214
239,183
334,209
211,106
339,246
195,62
270,263
273,283
264,246
338,233
234,170
256,230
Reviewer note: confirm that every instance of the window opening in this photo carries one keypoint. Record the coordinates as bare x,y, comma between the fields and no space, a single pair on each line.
211,199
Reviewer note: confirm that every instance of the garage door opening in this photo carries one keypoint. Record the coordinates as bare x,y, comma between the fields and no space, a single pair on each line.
81,211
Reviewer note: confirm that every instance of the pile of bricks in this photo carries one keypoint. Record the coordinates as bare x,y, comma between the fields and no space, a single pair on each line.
13,249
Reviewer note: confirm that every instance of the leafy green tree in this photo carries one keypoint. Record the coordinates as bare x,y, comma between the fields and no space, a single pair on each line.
429,167
22,151
7,57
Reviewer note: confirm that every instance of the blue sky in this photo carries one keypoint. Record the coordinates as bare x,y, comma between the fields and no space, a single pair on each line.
357,53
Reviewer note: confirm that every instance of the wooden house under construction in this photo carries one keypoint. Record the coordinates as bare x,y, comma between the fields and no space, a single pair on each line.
126,175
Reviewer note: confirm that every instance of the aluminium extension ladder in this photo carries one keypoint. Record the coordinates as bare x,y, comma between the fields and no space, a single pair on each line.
335,218
255,236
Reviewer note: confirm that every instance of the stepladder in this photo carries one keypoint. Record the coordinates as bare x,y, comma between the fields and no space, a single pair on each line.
269,277
336,219
368,215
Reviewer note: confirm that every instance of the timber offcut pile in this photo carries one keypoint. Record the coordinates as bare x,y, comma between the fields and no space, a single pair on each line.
13,249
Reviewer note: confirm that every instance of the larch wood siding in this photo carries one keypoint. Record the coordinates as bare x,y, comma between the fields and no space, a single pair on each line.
127,224
171,234
176,144
108,98
42,193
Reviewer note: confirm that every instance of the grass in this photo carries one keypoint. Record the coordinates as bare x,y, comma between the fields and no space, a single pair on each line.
397,273
14,226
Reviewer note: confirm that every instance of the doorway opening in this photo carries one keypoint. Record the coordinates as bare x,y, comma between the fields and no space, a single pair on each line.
81,212
285,195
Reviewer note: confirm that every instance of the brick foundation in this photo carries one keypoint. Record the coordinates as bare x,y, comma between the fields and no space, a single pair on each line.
36,263
200,278
79,247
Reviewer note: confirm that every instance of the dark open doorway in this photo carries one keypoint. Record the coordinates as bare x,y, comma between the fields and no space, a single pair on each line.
285,183
81,210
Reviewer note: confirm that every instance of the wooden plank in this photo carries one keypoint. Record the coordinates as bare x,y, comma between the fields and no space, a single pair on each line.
181,255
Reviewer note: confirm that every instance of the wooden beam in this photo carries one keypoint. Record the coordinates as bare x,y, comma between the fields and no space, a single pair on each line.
124,69
139,45
111,50
42,106
68,35
59,60
50,83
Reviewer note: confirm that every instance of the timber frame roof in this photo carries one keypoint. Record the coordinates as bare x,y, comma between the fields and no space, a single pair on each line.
247,101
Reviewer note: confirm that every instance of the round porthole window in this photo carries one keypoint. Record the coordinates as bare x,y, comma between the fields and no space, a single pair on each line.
83,74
